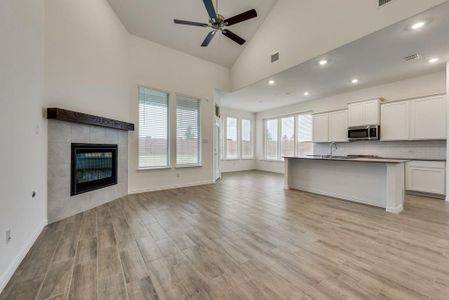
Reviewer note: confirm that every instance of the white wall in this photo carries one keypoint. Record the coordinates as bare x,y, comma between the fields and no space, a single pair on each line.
415,87
86,58
22,130
302,30
156,66
235,165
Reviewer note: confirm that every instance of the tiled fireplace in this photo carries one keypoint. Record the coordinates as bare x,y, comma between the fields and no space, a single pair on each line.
87,167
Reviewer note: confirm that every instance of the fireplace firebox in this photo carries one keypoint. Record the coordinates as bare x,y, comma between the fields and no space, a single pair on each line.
93,167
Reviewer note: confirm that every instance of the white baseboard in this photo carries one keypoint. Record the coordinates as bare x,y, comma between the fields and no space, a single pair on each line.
170,186
395,210
15,262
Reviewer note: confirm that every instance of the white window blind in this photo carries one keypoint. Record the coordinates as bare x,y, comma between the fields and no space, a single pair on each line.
188,146
247,143
153,129
232,149
304,134
287,136
271,139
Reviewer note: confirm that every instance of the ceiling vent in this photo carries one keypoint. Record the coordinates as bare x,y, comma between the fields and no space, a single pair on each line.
412,57
383,2
275,57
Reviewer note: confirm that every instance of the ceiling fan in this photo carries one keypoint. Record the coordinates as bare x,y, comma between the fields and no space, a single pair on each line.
218,23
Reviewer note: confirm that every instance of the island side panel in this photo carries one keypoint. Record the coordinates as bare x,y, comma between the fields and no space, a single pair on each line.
395,187
363,182
286,175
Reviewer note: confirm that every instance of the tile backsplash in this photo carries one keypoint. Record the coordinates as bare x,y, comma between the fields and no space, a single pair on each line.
403,149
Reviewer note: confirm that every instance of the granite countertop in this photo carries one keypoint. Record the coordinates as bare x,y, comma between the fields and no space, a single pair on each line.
344,158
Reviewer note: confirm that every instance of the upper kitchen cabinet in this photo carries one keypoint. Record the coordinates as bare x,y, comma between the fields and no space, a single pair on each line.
395,121
320,128
364,113
428,118
338,126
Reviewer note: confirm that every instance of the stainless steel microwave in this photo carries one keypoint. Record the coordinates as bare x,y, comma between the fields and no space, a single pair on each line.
361,133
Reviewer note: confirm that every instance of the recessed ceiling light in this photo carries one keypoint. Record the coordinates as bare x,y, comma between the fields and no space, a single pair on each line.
355,81
418,25
433,60
323,62
271,82
306,93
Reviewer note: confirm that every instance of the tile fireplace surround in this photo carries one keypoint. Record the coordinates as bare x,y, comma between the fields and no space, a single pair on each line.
60,137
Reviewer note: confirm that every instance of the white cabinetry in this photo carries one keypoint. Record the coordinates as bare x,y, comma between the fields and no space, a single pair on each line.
426,176
395,121
428,118
364,113
320,128
338,126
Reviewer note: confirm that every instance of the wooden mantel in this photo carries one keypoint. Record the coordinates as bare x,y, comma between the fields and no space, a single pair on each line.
81,118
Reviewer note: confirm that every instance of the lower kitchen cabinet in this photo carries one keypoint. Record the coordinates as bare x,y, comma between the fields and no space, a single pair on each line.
426,177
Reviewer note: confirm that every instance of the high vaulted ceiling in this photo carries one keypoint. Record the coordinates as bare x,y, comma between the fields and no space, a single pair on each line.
153,20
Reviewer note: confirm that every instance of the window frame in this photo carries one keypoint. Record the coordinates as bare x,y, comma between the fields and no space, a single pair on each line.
200,148
225,139
169,146
279,135
251,126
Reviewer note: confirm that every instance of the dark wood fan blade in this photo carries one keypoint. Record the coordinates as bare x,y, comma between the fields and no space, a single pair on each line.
208,38
183,22
233,37
241,17
210,9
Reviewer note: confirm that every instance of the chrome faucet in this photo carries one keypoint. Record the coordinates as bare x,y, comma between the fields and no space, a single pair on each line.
331,148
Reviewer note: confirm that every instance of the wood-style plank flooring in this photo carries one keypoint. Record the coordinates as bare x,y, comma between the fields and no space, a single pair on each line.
243,238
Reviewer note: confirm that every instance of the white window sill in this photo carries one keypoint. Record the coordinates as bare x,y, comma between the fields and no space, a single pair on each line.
188,166
153,168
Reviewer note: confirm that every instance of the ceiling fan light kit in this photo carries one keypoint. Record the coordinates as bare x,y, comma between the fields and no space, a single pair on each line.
218,23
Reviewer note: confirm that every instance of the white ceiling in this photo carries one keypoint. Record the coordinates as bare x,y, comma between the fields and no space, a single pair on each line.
153,20
374,59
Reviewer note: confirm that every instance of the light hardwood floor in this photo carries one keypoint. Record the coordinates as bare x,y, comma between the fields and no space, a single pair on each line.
243,238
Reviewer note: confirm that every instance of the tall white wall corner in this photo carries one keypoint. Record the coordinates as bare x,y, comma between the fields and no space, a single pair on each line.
447,133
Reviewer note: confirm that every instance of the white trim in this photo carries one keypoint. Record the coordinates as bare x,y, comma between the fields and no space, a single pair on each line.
170,186
395,210
15,262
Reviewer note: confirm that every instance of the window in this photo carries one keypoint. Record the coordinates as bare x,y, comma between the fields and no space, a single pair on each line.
304,135
153,129
287,136
247,143
187,130
271,139
232,151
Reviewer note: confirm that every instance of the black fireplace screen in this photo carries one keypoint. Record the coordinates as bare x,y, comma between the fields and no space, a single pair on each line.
93,167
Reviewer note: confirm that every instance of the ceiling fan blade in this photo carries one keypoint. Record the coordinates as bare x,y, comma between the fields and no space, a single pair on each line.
210,9
183,22
208,38
233,36
241,17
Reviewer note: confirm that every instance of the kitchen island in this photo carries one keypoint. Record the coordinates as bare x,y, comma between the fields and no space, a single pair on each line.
376,182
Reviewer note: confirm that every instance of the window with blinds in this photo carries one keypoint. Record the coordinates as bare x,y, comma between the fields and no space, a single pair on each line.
287,136
153,129
247,143
232,147
304,144
271,139
188,146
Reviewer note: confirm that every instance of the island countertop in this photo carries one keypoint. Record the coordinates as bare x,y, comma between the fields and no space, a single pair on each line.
350,159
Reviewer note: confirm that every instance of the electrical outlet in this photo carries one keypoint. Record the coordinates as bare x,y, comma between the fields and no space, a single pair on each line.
8,236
